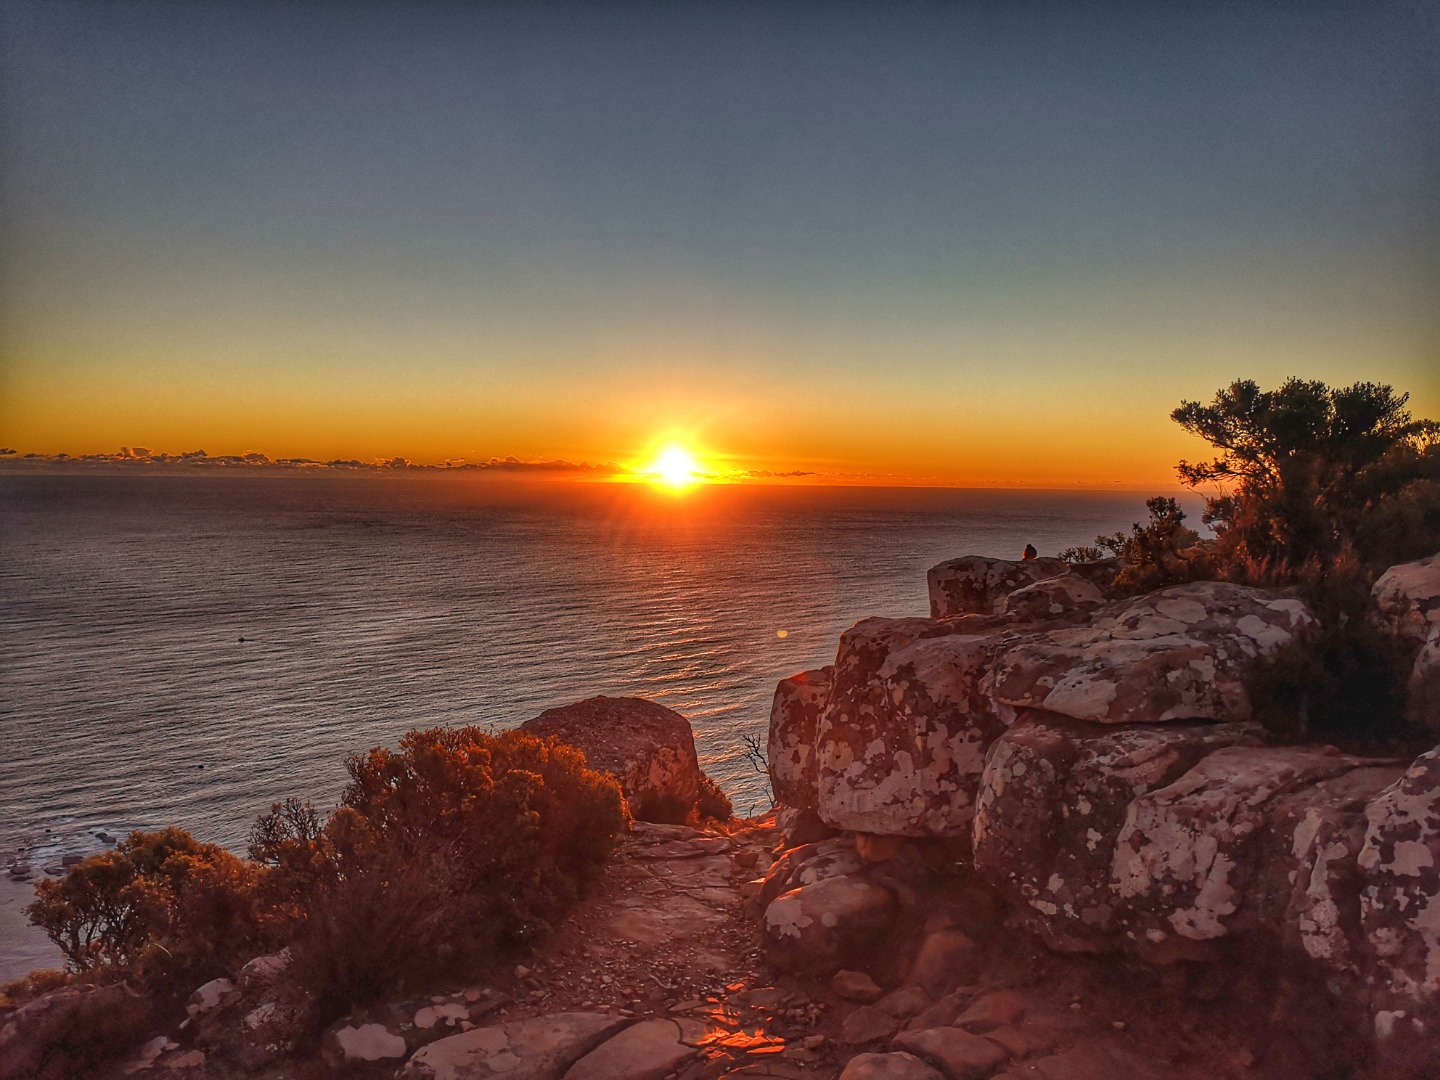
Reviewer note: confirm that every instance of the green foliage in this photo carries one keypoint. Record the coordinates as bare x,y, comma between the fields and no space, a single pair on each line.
712,801
1312,476
1163,551
162,905
446,853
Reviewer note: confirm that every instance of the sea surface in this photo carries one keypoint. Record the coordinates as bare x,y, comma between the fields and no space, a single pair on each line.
190,649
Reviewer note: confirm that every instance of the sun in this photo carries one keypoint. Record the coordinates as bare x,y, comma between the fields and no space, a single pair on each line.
675,468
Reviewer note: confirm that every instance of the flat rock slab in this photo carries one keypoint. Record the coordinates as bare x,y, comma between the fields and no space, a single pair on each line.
1089,1061
650,1050
541,1048
898,1066
963,1055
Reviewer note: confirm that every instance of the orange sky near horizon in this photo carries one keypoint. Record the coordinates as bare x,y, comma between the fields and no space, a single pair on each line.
926,245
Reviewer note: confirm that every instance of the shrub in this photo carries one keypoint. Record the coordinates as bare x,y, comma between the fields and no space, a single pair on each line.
712,802
162,905
1163,551
449,852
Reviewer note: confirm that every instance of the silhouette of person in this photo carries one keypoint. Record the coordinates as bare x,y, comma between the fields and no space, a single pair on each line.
1030,552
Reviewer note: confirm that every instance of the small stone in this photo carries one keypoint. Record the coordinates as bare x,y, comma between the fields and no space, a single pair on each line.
1118,1025
190,1059
856,986
521,971
867,1024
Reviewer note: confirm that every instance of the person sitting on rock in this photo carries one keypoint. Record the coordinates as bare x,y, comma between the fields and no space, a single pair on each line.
1030,553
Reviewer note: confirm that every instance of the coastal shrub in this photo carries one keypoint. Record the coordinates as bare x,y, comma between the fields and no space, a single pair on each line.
452,851
712,802
1163,551
161,906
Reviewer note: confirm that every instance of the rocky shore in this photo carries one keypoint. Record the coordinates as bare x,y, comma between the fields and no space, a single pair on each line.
1037,834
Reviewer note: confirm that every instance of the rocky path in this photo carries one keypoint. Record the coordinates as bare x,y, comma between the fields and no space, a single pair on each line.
661,974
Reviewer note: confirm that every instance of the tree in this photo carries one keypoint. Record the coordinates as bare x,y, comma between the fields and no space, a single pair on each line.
1305,471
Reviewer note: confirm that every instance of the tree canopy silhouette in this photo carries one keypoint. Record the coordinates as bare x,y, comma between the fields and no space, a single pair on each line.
1313,476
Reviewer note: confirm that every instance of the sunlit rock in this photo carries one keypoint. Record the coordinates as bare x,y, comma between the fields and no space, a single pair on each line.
794,717
1053,798
1407,606
977,585
1061,597
1179,653
544,1046
902,740
648,748
818,929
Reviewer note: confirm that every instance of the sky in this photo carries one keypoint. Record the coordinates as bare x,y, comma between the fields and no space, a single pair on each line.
964,244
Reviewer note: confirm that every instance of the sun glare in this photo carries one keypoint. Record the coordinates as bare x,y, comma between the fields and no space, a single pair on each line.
675,468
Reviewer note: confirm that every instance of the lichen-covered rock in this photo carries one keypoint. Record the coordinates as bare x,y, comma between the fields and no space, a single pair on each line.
794,717
1186,852
1400,896
818,929
1407,605
1306,890
903,737
1179,653
540,1048
808,864
801,826
977,585
1053,598
648,748
1053,798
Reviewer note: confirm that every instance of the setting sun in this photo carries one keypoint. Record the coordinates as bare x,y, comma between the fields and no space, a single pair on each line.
675,468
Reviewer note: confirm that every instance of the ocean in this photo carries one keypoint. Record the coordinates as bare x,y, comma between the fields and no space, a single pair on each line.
188,650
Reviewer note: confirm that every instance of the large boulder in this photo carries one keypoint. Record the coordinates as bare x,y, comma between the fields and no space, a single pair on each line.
1188,852
648,748
1053,798
818,929
1400,901
1180,653
977,585
794,718
902,739
1407,606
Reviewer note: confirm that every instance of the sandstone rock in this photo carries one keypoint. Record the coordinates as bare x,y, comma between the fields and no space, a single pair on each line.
1051,802
1053,598
994,1010
867,1024
904,1002
649,1050
801,826
1184,855
903,736
540,1048
808,864
962,1055
1174,654
1407,605
368,1042
976,585
817,929
794,716
898,1066
1094,1060
264,971
1306,890
648,748
69,1031
876,849
856,986
209,996
1400,897
942,959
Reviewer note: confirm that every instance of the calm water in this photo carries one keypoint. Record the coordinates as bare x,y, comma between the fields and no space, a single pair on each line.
182,650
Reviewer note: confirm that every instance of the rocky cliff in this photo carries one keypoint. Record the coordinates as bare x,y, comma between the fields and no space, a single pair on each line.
1093,761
